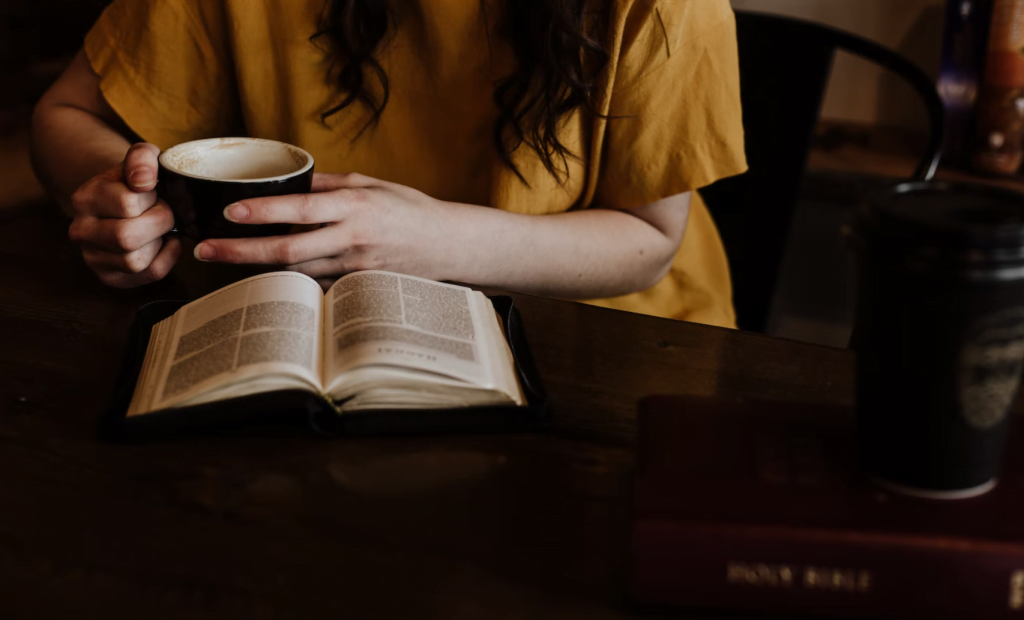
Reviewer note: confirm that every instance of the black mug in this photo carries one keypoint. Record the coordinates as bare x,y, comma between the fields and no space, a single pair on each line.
939,334
199,179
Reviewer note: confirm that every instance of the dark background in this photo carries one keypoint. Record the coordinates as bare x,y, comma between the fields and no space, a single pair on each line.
37,39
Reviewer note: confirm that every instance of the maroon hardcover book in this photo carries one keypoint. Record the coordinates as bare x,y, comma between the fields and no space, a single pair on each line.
758,506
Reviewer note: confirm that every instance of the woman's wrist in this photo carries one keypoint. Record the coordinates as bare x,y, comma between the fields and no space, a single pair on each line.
477,245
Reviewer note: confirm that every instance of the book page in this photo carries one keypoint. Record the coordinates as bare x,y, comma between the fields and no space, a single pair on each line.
265,325
375,317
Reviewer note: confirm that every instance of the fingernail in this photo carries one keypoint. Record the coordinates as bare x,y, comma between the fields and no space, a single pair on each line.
204,252
141,178
236,212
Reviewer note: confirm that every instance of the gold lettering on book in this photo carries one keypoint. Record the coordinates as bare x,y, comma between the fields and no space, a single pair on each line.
864,581
759,574
809,577
837,579
1017,590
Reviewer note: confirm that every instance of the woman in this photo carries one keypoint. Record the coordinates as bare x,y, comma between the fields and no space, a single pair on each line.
601,116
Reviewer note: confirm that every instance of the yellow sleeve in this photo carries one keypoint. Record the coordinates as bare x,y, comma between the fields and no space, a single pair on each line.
165,68
674,117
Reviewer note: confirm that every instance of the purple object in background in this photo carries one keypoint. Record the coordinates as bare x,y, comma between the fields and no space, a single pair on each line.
964,46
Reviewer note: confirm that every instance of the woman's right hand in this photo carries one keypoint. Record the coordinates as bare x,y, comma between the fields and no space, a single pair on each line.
120,224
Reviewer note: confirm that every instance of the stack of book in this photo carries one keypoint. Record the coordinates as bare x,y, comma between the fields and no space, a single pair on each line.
748,506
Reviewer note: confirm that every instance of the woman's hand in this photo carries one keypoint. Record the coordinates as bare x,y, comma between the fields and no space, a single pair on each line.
363,223
120,223
369,224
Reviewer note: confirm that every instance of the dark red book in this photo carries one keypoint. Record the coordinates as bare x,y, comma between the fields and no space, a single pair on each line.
759,507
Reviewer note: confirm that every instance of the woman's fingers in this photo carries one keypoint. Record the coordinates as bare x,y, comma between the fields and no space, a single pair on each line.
140,166
157,270
119,222
165,259
329,182
132,262
103,196
331,198
282,250
123,235
298,208
124,191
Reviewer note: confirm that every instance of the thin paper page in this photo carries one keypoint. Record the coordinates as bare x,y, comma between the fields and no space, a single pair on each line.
262,325
145,389
501,359
377,317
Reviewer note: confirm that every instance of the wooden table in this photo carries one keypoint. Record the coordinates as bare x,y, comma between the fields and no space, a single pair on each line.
896,164
510,526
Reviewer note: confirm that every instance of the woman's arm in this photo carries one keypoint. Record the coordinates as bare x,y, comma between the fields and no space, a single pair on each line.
372,224
75,134
577,255
81,153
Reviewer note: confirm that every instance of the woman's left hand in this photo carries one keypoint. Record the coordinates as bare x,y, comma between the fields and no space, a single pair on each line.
363,223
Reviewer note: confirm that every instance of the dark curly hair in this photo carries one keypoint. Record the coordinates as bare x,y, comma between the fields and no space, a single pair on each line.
558,50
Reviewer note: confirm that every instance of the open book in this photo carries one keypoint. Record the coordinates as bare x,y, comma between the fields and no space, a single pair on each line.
374,340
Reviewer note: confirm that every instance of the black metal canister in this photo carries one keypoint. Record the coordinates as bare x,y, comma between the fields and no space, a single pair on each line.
939,333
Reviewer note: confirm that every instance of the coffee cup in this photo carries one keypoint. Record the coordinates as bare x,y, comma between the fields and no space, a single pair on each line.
199,179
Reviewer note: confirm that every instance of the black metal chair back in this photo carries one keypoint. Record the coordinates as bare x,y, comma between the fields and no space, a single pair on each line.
784,71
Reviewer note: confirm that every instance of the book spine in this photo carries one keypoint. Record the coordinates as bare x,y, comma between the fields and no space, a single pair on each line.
825,573
999,139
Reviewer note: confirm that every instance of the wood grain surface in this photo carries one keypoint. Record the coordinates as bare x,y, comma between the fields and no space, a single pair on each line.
248,526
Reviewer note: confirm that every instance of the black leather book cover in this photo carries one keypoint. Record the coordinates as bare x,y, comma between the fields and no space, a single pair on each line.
300,411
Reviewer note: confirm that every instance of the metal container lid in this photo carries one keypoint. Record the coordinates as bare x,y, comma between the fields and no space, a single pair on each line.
961,224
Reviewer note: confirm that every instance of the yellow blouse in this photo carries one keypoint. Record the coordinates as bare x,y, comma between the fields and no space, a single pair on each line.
179,70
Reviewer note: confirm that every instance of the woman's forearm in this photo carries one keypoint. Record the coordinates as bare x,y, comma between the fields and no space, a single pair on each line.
71,140
576,255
